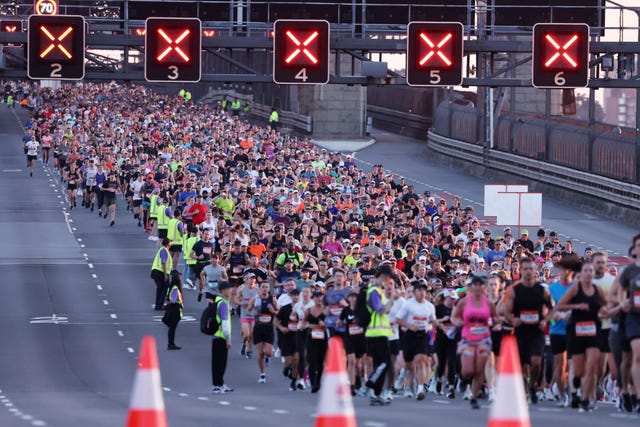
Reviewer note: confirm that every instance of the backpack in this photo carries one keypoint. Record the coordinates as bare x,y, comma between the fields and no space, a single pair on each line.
363,315
209,319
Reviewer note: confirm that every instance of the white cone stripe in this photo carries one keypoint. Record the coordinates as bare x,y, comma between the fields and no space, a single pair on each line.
335,395
510,402
147,391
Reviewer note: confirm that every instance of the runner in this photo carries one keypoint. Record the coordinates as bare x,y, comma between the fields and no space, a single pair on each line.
354,343
629,299
286,322
584,299
446,343
264,306
418,316
300,308
528,308
567,267
31,147
474,314
109,188
316,339
246,292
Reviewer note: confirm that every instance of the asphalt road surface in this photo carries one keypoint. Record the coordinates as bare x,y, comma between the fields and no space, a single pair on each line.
77,298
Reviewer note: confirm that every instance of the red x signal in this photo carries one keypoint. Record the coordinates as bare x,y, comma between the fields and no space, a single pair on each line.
173,45
436,48
561,50
301,47
57,42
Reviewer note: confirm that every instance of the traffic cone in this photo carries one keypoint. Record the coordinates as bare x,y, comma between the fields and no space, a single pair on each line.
509,409
146,407
335,407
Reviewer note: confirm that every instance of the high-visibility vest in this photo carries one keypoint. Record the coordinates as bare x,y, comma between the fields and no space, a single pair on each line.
157,262
179,300
163,219
379,325
173,232
187,248
181,93
274,117
153,209
219,332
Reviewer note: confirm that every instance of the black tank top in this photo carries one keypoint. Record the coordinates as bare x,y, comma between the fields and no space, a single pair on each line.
277,243
314,320
263,315
594,302
527,305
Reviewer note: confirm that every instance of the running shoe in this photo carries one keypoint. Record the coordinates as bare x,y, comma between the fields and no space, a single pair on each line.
575,401
398,384
216,389
584,407
249,354
474,404
433,387
262,379
467,394
408,392
300,385
627,403
421,394
451,393
243,350
276,353
533,395
491,395
547,395
363,391
226,389
387,395
565,401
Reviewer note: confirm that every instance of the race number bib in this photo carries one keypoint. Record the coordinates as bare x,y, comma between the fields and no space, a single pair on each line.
317,333
293,326
335,310
355,330
636,299
264,318
530,317
586,329
479,330
420,322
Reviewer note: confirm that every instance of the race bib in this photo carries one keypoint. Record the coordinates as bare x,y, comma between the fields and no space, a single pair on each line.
317,333
586,329
237,269
479,330
355,330
636,299
206,250
264,318
530,317
449,330
335,310
420,322
293,326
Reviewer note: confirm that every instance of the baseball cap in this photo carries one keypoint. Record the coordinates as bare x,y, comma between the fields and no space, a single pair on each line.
450,293
249,275
431,199
525,232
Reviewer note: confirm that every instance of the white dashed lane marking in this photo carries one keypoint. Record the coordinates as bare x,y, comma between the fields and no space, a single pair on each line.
130,350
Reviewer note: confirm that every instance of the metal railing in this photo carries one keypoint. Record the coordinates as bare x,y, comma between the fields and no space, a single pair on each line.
621,193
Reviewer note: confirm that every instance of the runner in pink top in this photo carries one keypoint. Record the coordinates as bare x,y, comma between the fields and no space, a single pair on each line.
475,314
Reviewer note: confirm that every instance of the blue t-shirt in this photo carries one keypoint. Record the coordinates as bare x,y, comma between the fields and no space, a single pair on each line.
332,299
558,327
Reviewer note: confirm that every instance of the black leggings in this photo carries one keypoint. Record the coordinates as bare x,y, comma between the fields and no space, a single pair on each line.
316,350
378,349
446,350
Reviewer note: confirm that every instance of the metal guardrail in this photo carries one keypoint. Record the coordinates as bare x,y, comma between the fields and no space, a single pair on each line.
399,122
608,189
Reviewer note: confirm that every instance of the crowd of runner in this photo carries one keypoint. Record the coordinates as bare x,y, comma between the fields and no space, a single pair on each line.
303,244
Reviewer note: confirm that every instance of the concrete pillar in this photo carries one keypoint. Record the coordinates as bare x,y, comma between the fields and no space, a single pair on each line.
338,111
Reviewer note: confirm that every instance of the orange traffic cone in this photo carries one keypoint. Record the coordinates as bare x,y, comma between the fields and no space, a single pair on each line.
510,407
146,407
335,407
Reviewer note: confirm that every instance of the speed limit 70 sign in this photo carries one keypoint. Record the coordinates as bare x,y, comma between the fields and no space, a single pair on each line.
45,7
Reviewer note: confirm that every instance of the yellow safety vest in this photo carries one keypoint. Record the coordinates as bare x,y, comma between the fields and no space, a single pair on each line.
179,301
157,262
274,117
187,248
379,325
219,332
173,233
163,219
153,209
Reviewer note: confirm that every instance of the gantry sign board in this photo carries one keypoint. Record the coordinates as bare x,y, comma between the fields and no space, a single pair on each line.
513,205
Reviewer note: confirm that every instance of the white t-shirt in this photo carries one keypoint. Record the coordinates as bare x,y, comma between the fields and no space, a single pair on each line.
418,314
393,314
32,148
605,283
137,187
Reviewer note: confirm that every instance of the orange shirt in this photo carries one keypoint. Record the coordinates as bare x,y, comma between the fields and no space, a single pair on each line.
257,250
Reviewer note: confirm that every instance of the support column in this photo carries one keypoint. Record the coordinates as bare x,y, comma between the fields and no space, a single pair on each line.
338,111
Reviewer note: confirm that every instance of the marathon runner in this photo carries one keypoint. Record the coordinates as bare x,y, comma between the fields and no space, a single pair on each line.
264,306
